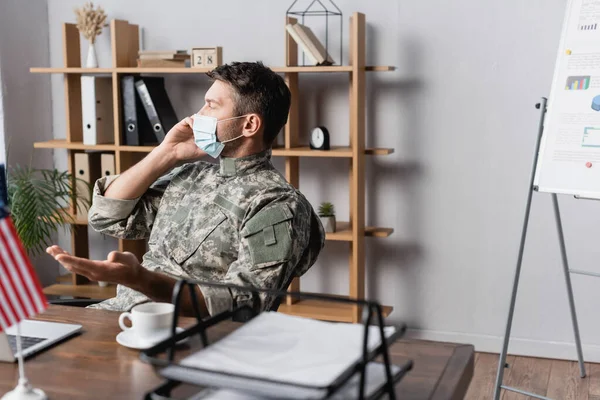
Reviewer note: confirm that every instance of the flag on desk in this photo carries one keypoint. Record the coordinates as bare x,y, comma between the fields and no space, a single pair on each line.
21,294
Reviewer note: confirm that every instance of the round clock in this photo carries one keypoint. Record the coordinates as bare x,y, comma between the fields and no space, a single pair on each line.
319,138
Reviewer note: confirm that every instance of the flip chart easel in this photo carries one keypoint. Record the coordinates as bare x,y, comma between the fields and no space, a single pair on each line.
567,271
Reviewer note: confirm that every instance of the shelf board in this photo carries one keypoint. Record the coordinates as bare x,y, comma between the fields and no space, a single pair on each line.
333,68
336,151
90,290
343,232
378,151
62,144
380,68
137,149
324,310
71,70
150,70
304,151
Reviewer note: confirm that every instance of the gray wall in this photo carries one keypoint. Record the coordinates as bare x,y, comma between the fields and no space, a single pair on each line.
26,101
459,112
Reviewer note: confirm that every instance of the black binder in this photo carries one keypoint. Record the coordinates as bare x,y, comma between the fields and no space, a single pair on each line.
155,101
137,130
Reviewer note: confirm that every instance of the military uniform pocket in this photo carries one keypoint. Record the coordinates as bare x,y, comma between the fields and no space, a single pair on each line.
268,235
185,242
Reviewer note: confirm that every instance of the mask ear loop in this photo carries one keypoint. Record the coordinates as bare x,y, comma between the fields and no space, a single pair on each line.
235,138
231,140
227,119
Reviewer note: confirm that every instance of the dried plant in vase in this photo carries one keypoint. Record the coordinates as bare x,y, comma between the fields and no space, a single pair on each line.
90,22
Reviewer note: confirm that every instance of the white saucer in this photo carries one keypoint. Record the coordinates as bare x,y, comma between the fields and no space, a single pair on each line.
129,339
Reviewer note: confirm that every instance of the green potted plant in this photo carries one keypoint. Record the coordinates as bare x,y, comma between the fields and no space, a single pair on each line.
327,216
38,200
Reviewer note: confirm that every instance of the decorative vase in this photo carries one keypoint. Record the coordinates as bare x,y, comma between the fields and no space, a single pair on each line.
92,61
328,223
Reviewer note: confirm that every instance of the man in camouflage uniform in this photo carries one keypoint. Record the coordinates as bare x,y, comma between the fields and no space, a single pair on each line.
237,221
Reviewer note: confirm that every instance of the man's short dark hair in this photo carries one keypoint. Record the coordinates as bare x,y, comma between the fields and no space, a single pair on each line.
258,90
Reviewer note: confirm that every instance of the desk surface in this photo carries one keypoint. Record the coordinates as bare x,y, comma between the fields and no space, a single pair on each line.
93,365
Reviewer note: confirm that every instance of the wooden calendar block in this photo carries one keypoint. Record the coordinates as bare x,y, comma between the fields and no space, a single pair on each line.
206,57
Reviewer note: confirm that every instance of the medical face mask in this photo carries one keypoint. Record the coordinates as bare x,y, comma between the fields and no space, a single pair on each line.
205,134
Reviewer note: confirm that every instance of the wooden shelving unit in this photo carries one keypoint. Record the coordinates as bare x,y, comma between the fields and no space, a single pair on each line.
124,41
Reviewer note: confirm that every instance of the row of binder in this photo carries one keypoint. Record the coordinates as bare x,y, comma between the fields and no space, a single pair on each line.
89,167
147,113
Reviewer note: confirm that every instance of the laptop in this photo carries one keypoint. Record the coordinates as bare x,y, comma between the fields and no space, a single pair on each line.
35,336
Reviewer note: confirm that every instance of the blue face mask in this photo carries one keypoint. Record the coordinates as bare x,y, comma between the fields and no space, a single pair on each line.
205,134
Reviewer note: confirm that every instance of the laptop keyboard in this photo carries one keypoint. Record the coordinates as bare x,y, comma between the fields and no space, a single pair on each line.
26,342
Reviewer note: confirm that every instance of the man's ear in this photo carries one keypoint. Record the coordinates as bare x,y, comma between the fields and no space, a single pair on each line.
252,125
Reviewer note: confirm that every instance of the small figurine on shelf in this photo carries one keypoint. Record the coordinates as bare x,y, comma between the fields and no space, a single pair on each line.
90,22
327,215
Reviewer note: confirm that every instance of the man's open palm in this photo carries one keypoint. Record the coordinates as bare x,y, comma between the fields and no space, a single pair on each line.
119,267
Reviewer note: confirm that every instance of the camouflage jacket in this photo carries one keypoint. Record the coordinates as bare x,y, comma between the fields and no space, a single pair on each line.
236,222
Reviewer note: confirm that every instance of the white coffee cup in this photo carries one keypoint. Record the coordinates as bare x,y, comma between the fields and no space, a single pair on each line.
149,320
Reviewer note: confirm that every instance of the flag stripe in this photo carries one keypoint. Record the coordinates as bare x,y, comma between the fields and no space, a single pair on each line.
34,289
21,294
8,260
4,319
14,306
14,284
7,306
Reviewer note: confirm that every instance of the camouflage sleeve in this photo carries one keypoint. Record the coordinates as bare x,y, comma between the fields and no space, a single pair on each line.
272,241
127,219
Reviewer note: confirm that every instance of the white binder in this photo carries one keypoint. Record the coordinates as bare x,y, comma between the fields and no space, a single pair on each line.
87,170
107,164
97,110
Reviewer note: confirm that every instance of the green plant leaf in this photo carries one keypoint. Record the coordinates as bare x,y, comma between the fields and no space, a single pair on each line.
36,198
326,209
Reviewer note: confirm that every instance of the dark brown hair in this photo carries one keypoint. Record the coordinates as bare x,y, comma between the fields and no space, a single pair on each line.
258,90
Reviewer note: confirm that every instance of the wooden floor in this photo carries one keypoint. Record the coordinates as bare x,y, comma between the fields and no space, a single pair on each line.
556,379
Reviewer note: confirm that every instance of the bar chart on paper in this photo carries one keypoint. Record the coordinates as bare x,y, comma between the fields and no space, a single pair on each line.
577,83
588,27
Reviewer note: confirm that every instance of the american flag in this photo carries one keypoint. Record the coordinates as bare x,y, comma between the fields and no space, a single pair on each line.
21,294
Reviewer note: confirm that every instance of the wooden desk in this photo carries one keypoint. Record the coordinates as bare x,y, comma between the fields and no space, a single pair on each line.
93,365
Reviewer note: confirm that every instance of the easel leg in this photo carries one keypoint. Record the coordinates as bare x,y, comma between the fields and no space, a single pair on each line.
502,361
565,263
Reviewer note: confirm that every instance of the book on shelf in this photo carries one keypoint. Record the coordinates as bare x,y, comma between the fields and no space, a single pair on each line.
309,43
163,59
160,63
163,54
